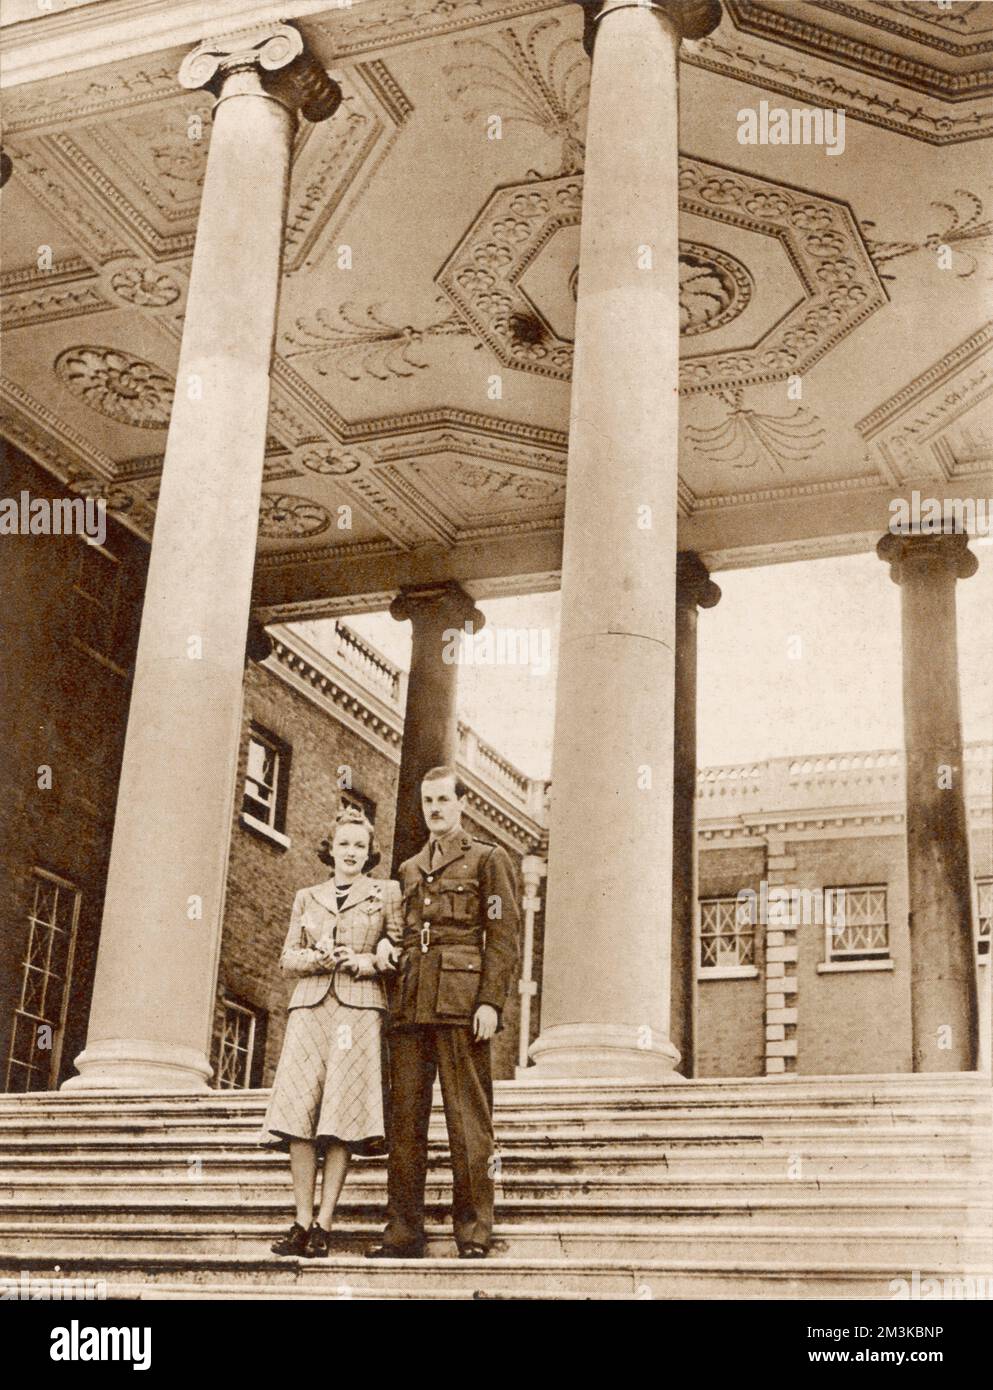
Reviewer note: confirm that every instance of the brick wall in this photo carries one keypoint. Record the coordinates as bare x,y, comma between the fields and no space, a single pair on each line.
66,709
730,1023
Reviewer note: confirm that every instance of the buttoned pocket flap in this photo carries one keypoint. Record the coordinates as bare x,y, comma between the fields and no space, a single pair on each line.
458,981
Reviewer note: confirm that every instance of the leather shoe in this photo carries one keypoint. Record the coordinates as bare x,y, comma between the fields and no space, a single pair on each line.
473,1252
293,1243
395,1252
318,1240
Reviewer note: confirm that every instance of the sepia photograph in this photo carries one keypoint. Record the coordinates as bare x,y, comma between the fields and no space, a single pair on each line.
496,662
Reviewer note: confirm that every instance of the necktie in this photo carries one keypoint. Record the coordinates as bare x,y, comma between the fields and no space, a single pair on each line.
436,853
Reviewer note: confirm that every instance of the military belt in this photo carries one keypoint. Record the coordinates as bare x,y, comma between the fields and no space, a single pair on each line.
430,935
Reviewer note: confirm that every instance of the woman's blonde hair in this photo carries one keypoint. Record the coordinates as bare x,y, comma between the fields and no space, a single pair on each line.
350,815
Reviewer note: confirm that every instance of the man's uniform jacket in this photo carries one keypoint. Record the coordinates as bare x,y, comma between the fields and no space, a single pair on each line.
460,935
371,911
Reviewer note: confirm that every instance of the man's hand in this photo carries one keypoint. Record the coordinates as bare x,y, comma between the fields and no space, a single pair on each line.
484,1023
387,955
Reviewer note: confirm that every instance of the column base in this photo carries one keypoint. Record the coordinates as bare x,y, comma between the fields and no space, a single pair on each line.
587,1051
139,1065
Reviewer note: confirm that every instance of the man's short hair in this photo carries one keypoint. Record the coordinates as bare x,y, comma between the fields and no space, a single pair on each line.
435,774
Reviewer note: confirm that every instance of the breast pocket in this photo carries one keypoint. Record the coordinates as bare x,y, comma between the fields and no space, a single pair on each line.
458,981
461,897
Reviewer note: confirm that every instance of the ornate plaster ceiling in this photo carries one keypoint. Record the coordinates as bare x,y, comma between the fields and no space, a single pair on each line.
834,310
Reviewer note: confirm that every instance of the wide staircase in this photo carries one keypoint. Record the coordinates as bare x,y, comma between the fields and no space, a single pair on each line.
796,1187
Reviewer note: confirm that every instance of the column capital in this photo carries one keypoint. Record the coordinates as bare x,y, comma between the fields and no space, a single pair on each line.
694,586
945,552
693,18
445,604
276,63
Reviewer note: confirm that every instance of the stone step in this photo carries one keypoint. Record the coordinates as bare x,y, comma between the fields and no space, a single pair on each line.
647,1157
499,1277
617,1238
697,1104
51,1192
889,1129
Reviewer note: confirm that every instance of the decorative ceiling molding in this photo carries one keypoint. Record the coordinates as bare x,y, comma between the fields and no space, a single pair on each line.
818,82
940,65
382,24
46,437
363,342
792,492
965,233
746,438
837,283
333,165
287,517
129,177
118,384
506,72
912,431
75,99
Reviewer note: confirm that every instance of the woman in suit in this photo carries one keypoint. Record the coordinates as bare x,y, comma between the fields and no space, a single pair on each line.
327,1095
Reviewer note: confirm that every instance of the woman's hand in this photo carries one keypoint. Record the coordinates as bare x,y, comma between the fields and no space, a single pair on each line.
347,960
326,949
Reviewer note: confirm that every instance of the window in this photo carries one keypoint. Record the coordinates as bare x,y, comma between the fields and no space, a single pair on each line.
727,938
984,917
38,1026
99,606
238,1045
858,928
267,771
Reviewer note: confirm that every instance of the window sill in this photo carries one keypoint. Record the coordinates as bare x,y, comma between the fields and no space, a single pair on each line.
845,967
265,832
727,972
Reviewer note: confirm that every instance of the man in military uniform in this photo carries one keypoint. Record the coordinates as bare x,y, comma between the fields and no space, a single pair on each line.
457,962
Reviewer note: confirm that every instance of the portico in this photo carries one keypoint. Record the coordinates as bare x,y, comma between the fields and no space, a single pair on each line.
357,414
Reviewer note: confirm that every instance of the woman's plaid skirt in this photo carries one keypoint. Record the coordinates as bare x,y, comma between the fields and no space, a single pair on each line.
329,1081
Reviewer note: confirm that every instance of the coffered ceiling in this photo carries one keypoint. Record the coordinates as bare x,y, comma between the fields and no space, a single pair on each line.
836,337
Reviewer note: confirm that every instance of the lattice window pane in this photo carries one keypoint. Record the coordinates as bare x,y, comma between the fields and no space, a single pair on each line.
234,1046
727,935
46,967
860,923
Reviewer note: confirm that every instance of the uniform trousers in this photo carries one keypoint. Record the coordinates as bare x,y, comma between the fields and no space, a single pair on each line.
417,1054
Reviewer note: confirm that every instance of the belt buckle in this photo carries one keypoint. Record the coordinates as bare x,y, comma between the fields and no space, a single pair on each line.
425,938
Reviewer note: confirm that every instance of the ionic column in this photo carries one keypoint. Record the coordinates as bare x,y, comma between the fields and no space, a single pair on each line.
942,946
153,998
694,590
606,973
437,613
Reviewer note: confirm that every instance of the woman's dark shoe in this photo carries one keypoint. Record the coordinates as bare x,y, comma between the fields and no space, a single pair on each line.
293,1243
318,1240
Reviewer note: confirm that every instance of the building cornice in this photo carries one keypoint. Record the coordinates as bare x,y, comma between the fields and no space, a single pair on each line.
345,689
